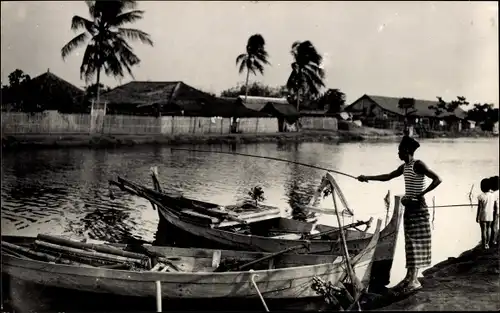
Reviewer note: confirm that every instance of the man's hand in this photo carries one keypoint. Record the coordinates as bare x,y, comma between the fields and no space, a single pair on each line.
362,178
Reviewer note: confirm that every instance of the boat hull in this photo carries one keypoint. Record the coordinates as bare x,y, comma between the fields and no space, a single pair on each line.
281,283
356,241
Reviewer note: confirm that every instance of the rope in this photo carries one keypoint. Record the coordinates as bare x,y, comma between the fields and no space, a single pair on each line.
269,158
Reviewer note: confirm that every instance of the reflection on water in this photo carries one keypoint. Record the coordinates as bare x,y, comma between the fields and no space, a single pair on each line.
65,192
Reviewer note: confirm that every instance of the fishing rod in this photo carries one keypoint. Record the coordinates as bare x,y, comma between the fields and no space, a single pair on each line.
269,158
306,165
454,205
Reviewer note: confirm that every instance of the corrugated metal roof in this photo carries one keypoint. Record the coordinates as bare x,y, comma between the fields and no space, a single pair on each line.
258,103
421,107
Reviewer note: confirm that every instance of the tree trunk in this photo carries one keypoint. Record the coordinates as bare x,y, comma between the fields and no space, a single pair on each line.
98,80
246,84
97,84
298,106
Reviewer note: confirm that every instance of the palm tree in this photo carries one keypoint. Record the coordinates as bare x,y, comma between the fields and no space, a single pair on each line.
307,75
254,59
106,39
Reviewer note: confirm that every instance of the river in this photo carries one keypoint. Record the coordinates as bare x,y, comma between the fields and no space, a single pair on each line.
65,191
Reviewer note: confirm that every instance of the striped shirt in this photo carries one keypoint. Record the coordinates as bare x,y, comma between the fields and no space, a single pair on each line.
414,183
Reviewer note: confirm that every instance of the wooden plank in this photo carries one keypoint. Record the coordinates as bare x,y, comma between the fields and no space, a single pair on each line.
216,258
89,246
193,214
252,218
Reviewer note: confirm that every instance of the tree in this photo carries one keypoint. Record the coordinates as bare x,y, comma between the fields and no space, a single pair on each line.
256,90
254,59
91,90
307,76
333,100
17,78
18,92
484,114
450,107
406,104
107,48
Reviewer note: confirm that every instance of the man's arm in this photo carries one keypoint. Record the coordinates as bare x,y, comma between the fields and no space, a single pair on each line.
421,168
384,177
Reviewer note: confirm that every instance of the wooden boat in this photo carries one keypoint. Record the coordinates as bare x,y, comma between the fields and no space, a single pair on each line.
268,232
287,276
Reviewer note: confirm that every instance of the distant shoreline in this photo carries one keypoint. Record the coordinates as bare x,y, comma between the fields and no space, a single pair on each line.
37,141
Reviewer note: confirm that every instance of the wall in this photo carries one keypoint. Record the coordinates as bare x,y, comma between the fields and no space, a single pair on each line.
326,123
258,125
48,122
52,122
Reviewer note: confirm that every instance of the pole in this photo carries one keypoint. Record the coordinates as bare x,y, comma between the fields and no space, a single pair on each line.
350,270
158,296
252,279
268,158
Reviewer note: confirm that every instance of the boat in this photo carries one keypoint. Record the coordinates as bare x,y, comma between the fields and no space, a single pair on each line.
192,272
268,233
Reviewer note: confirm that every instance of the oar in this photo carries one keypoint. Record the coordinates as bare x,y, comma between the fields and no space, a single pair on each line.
267,257
269,158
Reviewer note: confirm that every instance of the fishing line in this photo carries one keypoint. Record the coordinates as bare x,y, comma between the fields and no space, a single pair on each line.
269,158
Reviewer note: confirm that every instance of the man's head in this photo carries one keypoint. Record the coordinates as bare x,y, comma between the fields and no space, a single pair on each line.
485,185
407,148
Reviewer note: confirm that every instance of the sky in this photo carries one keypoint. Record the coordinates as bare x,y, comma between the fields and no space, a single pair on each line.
399,49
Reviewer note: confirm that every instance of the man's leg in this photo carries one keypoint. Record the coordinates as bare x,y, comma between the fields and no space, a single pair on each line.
414,282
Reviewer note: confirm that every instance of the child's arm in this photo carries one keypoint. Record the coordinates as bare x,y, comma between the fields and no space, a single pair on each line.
478,210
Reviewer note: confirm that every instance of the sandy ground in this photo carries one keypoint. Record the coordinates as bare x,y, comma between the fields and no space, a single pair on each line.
470,282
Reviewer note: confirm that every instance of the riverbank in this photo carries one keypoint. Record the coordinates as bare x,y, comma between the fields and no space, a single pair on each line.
354,134
11,142
468,282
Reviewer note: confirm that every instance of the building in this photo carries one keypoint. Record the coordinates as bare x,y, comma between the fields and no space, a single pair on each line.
384,112
276,107
44,92
168,98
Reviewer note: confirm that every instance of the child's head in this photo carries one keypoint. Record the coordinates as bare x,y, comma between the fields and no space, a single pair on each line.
485,185
494,183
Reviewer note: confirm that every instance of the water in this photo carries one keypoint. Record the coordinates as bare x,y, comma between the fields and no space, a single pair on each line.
65,192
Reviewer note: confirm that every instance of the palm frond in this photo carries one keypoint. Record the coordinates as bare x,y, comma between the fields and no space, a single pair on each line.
135,34
258,66
291,83
128,17
243,65
241,58
311,84
313,69
78,22
89,63
262,57
73,44
91,7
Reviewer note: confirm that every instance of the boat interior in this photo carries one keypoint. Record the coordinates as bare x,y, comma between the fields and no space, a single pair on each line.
168,259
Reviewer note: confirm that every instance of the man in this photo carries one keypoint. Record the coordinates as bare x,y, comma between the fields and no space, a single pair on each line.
416,216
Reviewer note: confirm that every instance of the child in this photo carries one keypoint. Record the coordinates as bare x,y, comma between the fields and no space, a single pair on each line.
494,225
485,208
